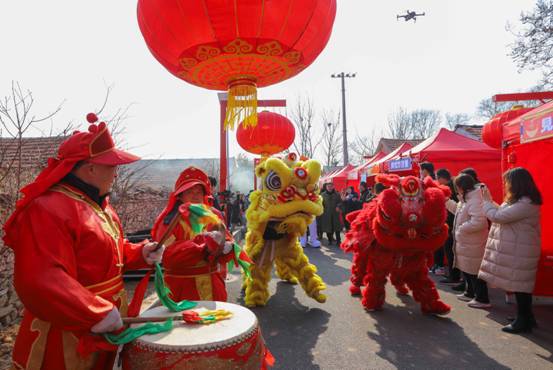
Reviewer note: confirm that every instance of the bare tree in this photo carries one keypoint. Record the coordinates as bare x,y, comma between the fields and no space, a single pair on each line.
487,108
303,115
454,119
399,125
416,124
16,118
129,177
533,46
424,122
331,138
364,146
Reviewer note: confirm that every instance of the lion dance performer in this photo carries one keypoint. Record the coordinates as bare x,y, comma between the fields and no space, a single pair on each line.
70,255
360,248
396,234
278,215
194,261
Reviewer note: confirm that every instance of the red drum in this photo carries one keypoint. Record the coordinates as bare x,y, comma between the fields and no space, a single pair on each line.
234,343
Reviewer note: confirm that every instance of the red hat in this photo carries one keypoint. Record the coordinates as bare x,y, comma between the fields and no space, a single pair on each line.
96,146
192,176
188,178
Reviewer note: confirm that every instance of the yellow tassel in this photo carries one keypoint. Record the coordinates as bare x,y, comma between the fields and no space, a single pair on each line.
241,104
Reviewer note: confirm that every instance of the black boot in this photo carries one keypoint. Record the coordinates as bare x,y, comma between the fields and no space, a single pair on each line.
520,325
533,321
459,288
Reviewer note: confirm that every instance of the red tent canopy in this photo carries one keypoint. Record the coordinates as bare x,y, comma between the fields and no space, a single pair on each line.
378,156
354,176
454,152
329,175
378,166
340,178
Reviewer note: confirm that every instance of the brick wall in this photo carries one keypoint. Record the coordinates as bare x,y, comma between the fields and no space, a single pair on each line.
10,306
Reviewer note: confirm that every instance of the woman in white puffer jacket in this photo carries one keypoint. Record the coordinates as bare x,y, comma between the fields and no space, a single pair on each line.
470,235
514,245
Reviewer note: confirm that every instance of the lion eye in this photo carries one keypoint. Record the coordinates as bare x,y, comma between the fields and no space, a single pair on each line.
272,181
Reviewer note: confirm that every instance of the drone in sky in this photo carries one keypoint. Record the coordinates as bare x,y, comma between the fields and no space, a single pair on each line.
410,15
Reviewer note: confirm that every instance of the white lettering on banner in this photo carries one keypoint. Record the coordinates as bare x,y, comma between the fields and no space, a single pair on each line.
400,164
546,124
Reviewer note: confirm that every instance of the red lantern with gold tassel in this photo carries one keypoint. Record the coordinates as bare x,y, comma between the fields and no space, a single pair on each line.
272,134
236,45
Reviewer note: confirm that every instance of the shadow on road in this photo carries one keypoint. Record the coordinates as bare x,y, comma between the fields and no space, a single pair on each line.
541,336
290,328
326,259
438,343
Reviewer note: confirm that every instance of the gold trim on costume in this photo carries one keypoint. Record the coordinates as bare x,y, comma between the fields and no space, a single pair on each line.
115,278
36,353
70,357
204,287
120,286
190,276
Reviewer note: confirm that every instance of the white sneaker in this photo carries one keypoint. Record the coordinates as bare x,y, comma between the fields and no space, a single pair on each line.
475,304
464,298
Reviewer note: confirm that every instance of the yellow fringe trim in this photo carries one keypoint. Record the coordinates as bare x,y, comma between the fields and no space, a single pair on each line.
241,104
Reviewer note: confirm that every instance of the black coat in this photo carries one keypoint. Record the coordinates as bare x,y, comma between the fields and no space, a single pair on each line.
330,220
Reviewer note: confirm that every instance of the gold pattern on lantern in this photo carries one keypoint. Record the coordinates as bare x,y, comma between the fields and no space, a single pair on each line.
238,46
270,48
205,52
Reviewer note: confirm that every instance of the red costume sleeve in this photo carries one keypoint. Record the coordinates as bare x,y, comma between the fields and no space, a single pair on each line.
133,257
45,273
183,253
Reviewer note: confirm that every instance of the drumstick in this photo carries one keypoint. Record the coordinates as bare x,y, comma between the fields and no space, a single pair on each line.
188,316
168,231
140,320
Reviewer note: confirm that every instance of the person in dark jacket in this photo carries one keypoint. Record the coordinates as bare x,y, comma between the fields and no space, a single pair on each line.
320,217
427,169
454,274
330,220
364,193
350,203
213,183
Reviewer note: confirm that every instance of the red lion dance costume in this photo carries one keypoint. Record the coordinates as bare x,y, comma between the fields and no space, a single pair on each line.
395,235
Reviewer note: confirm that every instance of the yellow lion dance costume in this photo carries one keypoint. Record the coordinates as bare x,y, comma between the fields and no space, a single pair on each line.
277,216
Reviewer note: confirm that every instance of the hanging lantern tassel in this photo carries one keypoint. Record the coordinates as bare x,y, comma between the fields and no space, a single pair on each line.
241,104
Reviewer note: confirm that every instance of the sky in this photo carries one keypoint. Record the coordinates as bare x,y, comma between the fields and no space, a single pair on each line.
70,51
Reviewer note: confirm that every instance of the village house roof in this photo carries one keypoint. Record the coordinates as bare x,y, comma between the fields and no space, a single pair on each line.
388,145
470,131
35,151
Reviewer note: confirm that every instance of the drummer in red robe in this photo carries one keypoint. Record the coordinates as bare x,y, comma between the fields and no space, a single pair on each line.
70,254
194,265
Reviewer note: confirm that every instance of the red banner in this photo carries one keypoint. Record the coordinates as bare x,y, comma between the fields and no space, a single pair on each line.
536,128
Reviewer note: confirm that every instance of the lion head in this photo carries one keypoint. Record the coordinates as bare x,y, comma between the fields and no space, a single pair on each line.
289,195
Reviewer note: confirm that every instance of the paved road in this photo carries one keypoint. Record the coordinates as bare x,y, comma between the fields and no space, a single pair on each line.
303,334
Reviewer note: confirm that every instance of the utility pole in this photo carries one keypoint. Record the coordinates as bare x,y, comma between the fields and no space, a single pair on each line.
343,76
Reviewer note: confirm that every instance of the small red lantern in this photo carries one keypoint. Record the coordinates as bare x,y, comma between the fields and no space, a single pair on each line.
273,134
492,133
236,45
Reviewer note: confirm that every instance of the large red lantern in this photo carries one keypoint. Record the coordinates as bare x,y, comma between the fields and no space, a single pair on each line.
236,45
272,134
